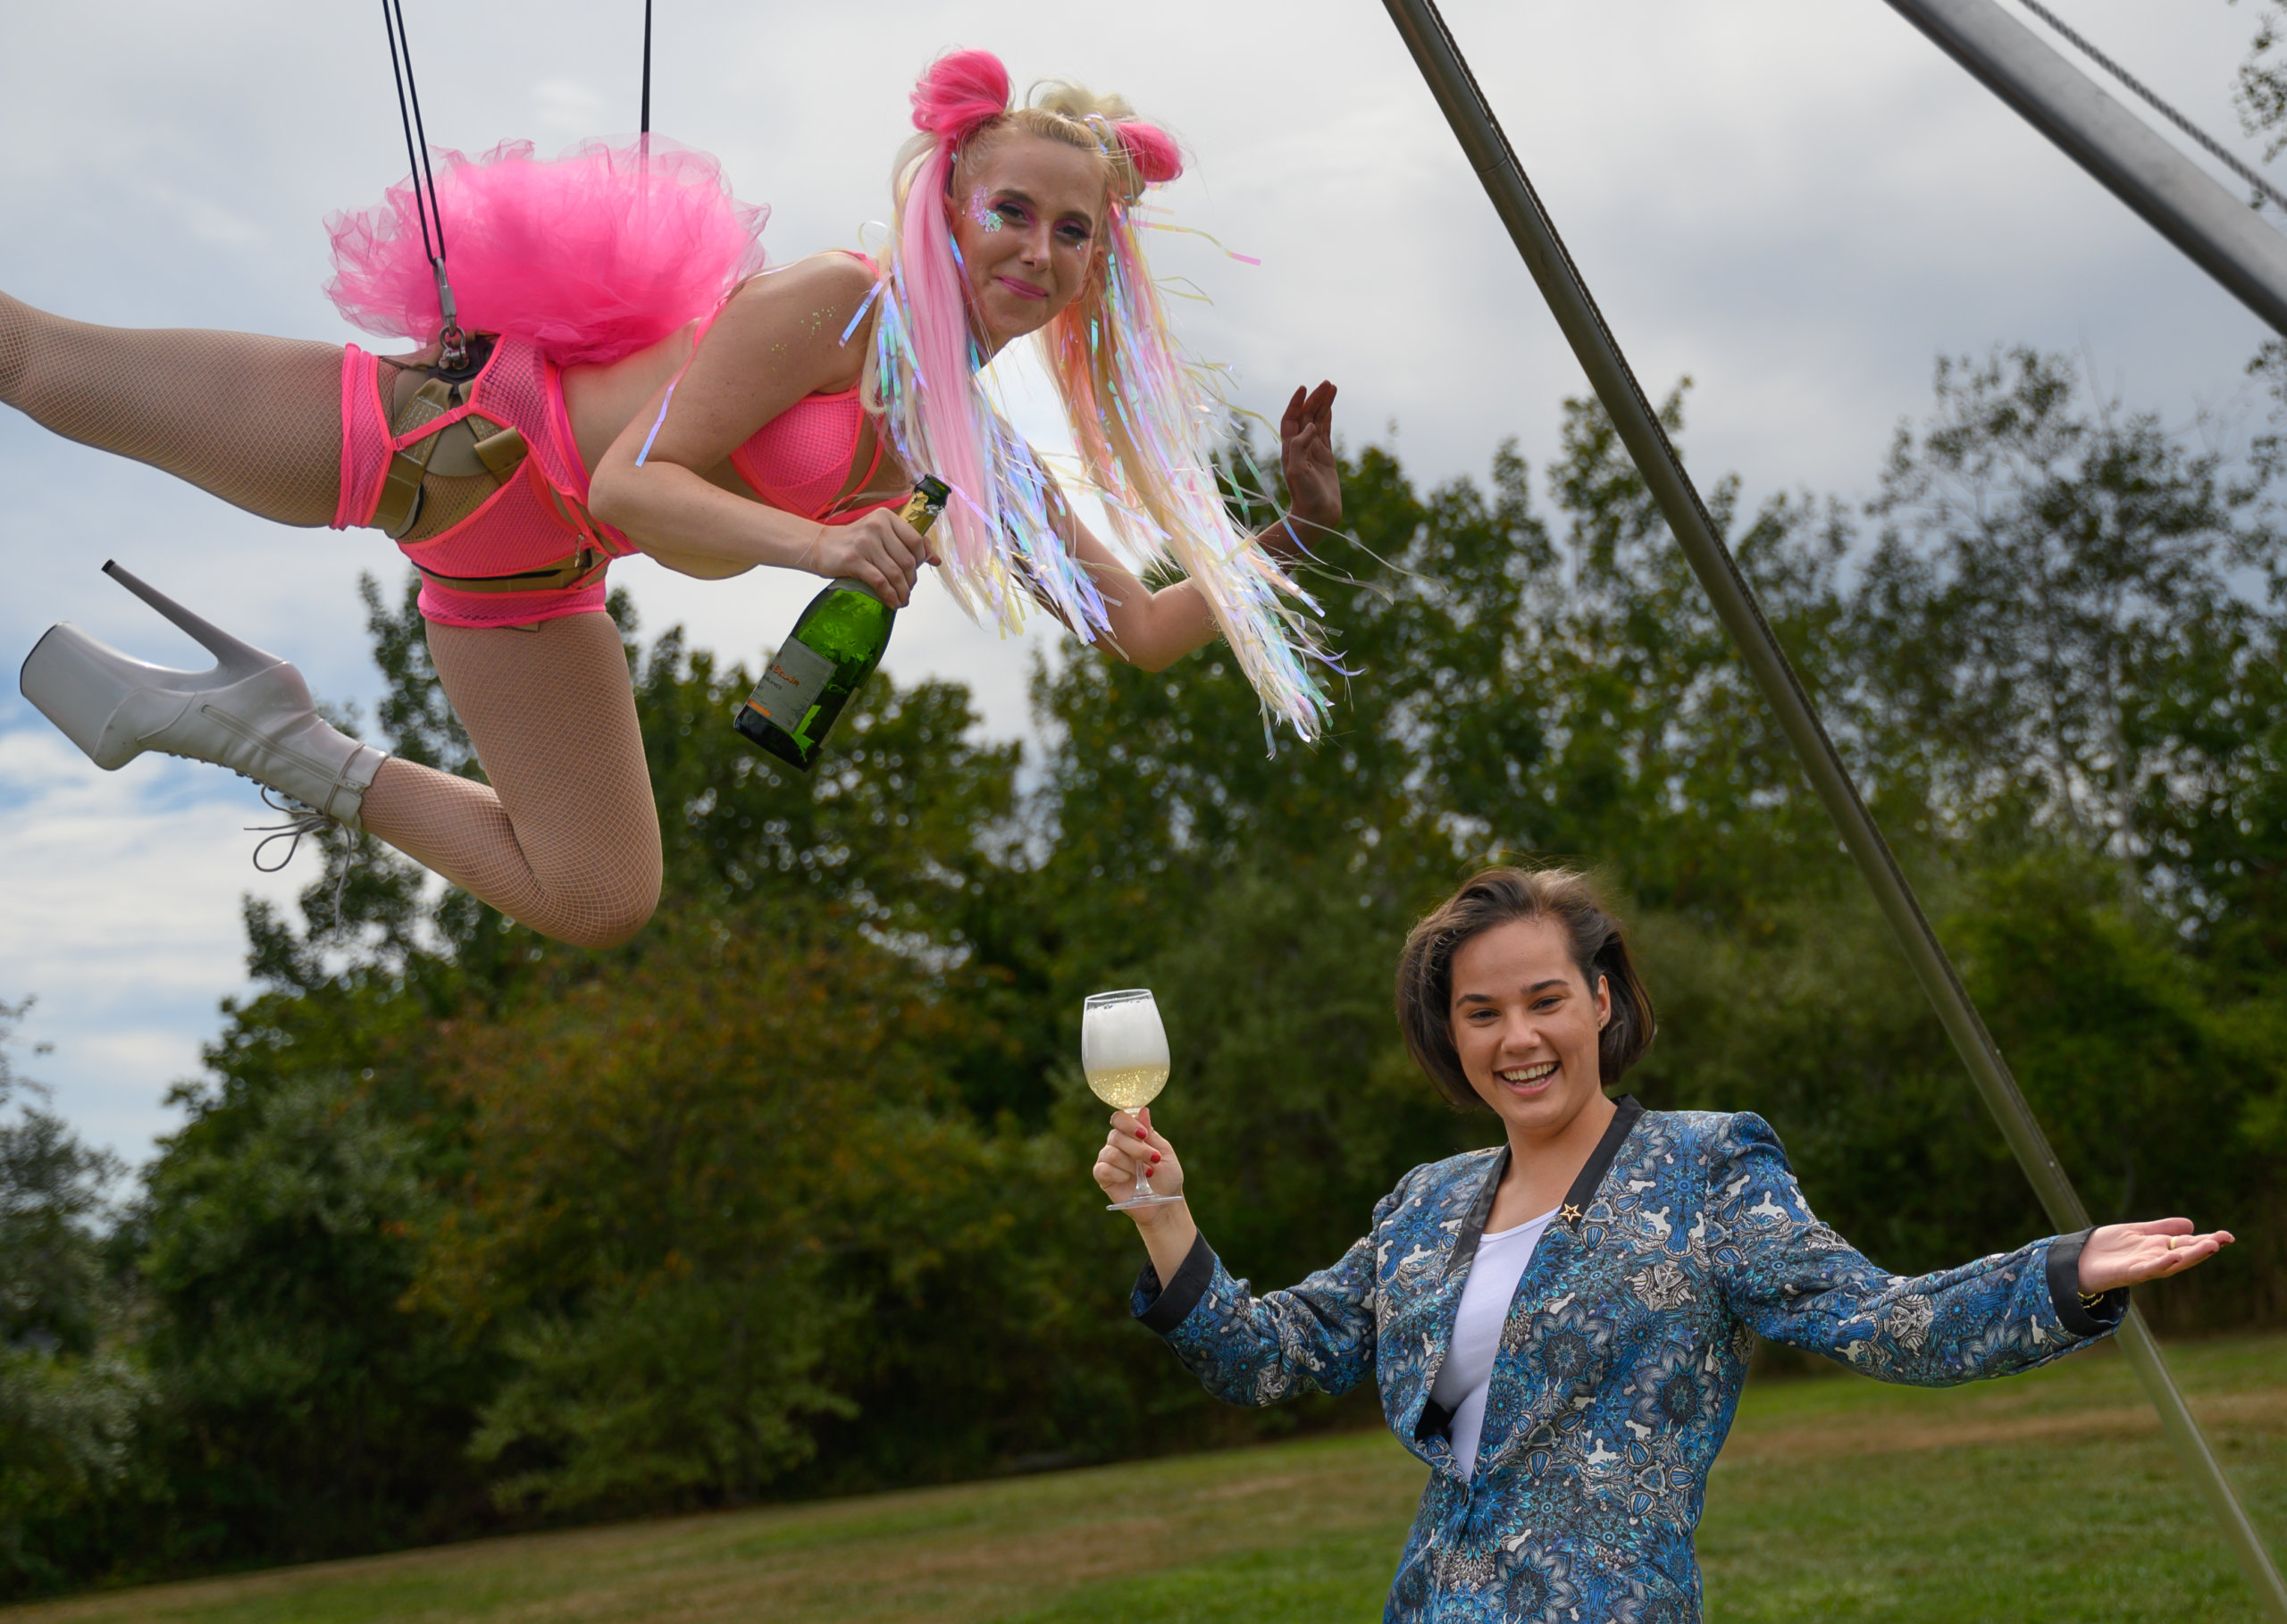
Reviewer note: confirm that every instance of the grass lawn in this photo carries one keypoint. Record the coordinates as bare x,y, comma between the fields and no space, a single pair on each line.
2049,1497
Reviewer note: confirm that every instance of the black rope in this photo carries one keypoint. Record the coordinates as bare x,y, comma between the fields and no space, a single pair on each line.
405,43
432,251
2263,188
452,343
645,129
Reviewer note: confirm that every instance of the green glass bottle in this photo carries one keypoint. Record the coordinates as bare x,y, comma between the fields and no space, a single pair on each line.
828,655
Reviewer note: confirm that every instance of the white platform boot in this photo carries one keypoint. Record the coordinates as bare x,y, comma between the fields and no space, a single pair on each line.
252,712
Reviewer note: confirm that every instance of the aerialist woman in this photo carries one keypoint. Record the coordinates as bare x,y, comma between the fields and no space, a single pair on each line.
633,385
1559,1325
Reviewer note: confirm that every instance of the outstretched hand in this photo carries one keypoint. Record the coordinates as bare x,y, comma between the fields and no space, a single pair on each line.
2129,1254
1306,457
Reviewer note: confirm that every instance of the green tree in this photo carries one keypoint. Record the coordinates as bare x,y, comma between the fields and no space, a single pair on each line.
1671,773
68,1394
2147,1079
663,1168
2260,89
303,1411
789,1194
2051,579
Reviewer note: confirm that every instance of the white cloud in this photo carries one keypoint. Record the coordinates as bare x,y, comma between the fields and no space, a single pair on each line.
123,894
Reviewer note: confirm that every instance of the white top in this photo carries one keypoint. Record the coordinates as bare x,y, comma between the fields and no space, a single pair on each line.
1467,1375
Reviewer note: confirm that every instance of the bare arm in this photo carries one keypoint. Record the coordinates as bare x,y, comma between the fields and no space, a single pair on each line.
778,340
1154,629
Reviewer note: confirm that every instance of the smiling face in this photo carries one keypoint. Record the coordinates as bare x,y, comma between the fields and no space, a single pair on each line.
1525,1024
1028,215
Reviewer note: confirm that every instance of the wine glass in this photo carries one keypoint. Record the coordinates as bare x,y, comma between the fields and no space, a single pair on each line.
1124,1053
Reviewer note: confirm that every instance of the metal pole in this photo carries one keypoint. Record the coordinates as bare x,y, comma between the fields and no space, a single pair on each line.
1530,227
2176,198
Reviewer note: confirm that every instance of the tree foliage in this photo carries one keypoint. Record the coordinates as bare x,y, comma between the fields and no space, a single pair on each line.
467,1230
69,1397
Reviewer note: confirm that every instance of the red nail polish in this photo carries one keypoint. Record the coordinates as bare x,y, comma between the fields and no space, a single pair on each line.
1155,1159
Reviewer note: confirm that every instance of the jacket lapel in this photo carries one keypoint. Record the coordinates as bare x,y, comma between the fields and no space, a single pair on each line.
1504,1415
1582,1195
1421,1420
1472,1229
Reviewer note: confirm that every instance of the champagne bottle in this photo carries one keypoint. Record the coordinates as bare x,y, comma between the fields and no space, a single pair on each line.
828,655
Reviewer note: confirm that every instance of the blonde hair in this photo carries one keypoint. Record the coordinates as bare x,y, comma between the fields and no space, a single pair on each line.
1055,110
1142,418
1083,366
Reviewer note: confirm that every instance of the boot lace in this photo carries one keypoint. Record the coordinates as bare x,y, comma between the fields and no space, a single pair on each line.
300,820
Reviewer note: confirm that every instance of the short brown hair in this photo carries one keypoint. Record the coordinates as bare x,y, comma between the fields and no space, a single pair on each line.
1504,896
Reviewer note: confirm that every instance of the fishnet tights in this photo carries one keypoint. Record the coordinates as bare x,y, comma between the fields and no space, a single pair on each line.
566,841
254,420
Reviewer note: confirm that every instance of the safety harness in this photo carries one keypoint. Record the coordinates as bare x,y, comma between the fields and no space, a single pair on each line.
443,429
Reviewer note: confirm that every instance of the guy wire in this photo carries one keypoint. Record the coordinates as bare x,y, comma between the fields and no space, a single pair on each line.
2207,144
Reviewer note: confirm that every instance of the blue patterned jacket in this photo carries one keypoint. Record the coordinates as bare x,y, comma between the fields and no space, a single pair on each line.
1621,1363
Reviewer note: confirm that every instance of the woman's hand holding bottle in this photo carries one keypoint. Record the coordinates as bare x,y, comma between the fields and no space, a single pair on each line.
879,550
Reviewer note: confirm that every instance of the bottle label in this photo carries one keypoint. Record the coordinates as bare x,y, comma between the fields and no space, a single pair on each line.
792,684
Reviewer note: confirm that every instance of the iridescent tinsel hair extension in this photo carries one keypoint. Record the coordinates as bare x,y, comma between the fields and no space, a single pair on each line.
1143,418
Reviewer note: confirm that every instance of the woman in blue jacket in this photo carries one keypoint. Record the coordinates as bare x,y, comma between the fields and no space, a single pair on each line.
1560,1325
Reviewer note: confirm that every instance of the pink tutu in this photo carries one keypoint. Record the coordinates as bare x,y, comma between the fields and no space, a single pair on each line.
589,256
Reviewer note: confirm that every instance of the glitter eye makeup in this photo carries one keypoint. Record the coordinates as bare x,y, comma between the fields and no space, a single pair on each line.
987,218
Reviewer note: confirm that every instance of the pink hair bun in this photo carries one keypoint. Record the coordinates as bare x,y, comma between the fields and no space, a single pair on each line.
960,91
1151,149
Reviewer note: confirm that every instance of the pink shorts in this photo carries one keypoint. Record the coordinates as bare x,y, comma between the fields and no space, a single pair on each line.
536,521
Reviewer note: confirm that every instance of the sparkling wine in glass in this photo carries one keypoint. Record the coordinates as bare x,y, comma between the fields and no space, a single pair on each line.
1124,1053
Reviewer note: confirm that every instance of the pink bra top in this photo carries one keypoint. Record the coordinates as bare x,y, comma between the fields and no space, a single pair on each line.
799,462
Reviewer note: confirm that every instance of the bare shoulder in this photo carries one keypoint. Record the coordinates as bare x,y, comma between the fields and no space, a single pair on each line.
794,318
829,275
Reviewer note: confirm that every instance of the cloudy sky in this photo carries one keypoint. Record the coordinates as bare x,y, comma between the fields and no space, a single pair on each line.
1796,202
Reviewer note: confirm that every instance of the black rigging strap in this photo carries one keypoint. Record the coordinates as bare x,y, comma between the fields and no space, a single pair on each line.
452,343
